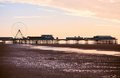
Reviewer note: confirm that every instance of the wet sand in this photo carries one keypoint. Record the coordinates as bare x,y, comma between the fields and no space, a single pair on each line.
105,47
17,61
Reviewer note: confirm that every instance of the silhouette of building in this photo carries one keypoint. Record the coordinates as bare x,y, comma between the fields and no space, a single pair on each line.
34,37
74,38
105,40
6,38
47,37
42,37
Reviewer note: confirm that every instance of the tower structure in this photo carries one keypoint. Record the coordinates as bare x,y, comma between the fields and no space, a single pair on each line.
19,34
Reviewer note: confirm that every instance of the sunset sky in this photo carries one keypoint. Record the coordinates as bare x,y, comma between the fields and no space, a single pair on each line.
62,17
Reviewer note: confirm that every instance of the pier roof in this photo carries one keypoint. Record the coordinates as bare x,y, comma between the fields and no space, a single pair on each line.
74,38
6,38
42,37
104,38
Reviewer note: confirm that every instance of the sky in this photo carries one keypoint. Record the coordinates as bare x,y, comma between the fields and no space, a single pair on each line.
61,18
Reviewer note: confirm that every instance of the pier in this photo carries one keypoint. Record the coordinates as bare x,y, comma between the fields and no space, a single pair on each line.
49,39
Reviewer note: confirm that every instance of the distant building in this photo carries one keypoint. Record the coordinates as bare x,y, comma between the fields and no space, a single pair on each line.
6,38
34,37
47,37
105,40
74,38
104,37
42,37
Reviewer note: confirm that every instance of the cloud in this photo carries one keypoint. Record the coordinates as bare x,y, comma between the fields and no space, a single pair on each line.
27,17
109,1
31,17
106,9
85,13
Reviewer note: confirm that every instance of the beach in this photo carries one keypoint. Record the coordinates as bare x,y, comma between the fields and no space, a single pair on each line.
22,61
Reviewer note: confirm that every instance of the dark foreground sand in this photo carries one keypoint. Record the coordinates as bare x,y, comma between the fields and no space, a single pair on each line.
23,62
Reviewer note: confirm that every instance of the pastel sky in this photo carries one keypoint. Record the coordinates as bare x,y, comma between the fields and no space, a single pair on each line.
61,17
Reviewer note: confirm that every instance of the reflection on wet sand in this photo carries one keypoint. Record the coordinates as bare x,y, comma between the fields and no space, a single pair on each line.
114,53
47,62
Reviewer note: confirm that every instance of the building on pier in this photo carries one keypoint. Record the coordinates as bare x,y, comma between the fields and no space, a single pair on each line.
74,38
42,37
5,39
33,37
47,37
105,40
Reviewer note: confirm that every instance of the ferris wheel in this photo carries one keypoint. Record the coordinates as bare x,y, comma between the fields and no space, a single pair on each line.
19,30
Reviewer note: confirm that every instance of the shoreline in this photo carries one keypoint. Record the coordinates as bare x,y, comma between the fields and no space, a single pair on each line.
102,47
